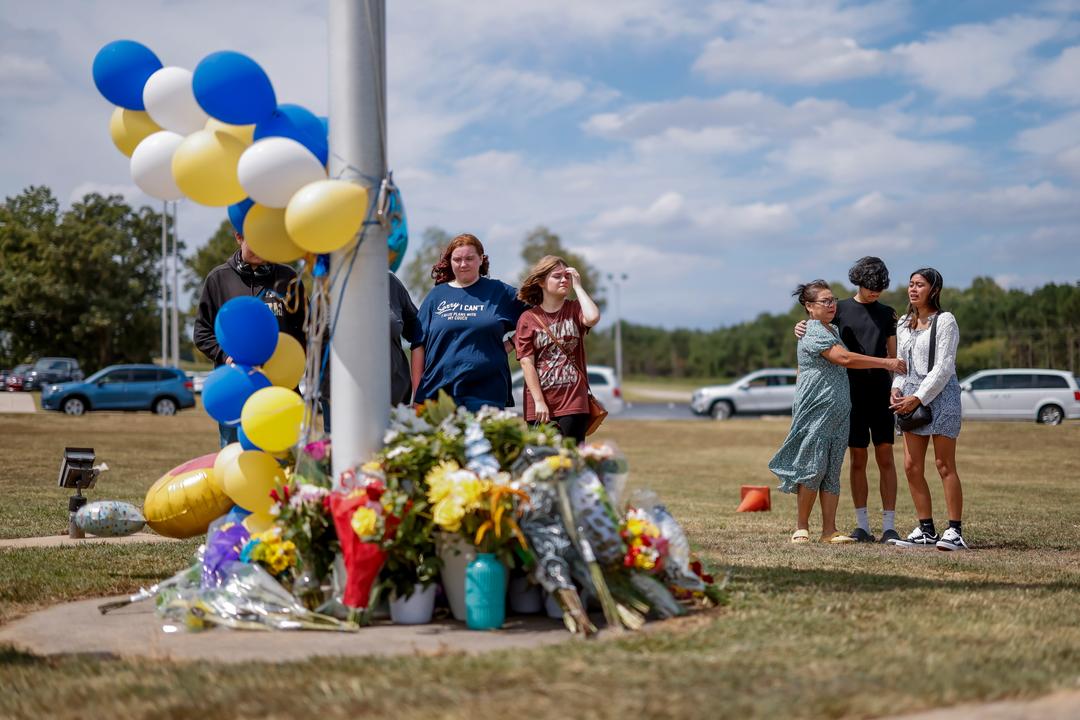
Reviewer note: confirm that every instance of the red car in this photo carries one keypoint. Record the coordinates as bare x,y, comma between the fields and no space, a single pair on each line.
17,379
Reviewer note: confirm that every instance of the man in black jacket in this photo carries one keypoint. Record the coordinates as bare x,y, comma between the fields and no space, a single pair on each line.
247,274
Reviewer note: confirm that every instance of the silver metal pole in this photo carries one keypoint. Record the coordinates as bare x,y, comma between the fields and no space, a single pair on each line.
164,286
175,289
360,347
616,282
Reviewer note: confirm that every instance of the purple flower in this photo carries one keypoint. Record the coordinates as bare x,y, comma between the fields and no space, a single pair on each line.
221,550
317,450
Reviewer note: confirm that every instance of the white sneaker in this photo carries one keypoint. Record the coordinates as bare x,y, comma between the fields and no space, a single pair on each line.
952,540
917,538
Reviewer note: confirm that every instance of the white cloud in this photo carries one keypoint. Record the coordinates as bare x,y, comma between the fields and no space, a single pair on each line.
709,141
847,153
969,61
665,209
1060,79
806,61
26,78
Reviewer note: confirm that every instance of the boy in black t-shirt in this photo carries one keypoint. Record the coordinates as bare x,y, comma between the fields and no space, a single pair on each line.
869,327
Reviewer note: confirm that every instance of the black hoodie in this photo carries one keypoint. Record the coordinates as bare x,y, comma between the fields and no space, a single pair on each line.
235,278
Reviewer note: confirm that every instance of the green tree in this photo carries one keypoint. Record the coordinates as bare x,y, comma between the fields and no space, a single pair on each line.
84,283
540,242
416,273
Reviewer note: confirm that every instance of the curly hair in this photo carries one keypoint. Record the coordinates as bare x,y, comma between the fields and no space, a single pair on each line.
808,292
441,271
870,272
532,288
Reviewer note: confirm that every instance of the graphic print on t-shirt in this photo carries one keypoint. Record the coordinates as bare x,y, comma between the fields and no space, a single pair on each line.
448,310
555,368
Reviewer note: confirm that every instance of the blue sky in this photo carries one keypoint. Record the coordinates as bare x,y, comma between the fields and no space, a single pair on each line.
717,153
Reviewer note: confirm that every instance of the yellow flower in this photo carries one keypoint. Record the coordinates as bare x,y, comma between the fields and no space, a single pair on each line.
558,462
635,526
439,481
471,491
448,513
364,521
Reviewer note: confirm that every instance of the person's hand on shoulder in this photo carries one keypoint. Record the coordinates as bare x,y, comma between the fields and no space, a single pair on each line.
800,329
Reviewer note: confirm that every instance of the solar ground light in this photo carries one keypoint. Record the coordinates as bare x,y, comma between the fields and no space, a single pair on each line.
77,471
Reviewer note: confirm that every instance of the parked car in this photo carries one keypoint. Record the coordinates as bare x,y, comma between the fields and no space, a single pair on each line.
4,373
161,390
1045,396
767,391
197,377
52,370
16,380
602,382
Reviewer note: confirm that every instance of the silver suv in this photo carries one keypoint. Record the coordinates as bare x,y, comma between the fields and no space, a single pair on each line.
771,390
1045,396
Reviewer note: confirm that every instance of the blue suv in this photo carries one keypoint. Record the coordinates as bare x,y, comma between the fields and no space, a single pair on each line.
123,387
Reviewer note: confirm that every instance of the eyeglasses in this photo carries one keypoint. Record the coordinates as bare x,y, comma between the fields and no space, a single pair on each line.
827,303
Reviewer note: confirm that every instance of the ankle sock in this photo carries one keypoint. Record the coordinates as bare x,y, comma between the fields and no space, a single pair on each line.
955,525
927,526
888,520
862,518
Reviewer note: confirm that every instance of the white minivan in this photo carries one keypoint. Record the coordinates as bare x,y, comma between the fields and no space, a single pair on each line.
1045,396
602,383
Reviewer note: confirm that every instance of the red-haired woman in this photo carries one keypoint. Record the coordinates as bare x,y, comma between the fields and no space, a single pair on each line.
464,321
551,346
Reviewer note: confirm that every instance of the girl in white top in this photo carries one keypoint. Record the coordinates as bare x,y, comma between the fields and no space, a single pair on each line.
938,389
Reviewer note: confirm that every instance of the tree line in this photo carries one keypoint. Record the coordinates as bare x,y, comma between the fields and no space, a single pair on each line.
85,283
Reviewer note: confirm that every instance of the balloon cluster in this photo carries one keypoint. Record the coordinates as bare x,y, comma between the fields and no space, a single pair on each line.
256,393
218,136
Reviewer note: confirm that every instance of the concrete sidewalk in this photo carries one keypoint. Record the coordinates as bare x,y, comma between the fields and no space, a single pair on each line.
136,631
12,402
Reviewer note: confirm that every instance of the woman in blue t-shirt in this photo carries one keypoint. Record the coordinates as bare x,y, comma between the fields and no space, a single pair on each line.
464,321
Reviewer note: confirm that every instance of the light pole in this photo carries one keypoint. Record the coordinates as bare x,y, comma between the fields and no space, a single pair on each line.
616,281
360,347
164,284
175,335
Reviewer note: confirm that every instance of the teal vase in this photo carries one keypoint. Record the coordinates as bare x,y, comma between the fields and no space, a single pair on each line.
485,593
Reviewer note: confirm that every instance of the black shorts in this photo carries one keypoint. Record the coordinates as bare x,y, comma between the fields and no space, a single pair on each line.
871,418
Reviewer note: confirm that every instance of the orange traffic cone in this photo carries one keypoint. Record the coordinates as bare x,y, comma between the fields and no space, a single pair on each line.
755,498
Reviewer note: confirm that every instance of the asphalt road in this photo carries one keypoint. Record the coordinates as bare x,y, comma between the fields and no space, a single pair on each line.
678,411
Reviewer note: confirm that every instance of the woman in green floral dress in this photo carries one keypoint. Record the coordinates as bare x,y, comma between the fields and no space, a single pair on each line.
809,461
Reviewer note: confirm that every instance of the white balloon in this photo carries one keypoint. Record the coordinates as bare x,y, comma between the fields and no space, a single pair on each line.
170,101
151,165
274,168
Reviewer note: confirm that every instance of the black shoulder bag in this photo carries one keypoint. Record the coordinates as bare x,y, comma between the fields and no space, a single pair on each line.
921,415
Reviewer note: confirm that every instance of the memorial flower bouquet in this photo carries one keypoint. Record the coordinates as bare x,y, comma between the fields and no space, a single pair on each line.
269,549
483,510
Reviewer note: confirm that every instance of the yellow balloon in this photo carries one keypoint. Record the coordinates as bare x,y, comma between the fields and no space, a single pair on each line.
204,167
286,366
184,501
128,128
243,133
250,478
325,215
264,230
258,522
271,418
225,457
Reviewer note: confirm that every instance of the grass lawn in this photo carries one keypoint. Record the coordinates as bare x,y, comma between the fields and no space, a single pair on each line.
812,631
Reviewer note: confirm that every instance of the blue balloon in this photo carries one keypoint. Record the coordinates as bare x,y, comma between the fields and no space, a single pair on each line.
246,330
233,88
299,124
245,442
121,69
227,388
397,242
237,213
325,127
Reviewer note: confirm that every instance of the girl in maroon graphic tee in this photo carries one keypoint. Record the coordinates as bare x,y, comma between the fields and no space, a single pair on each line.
550,342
